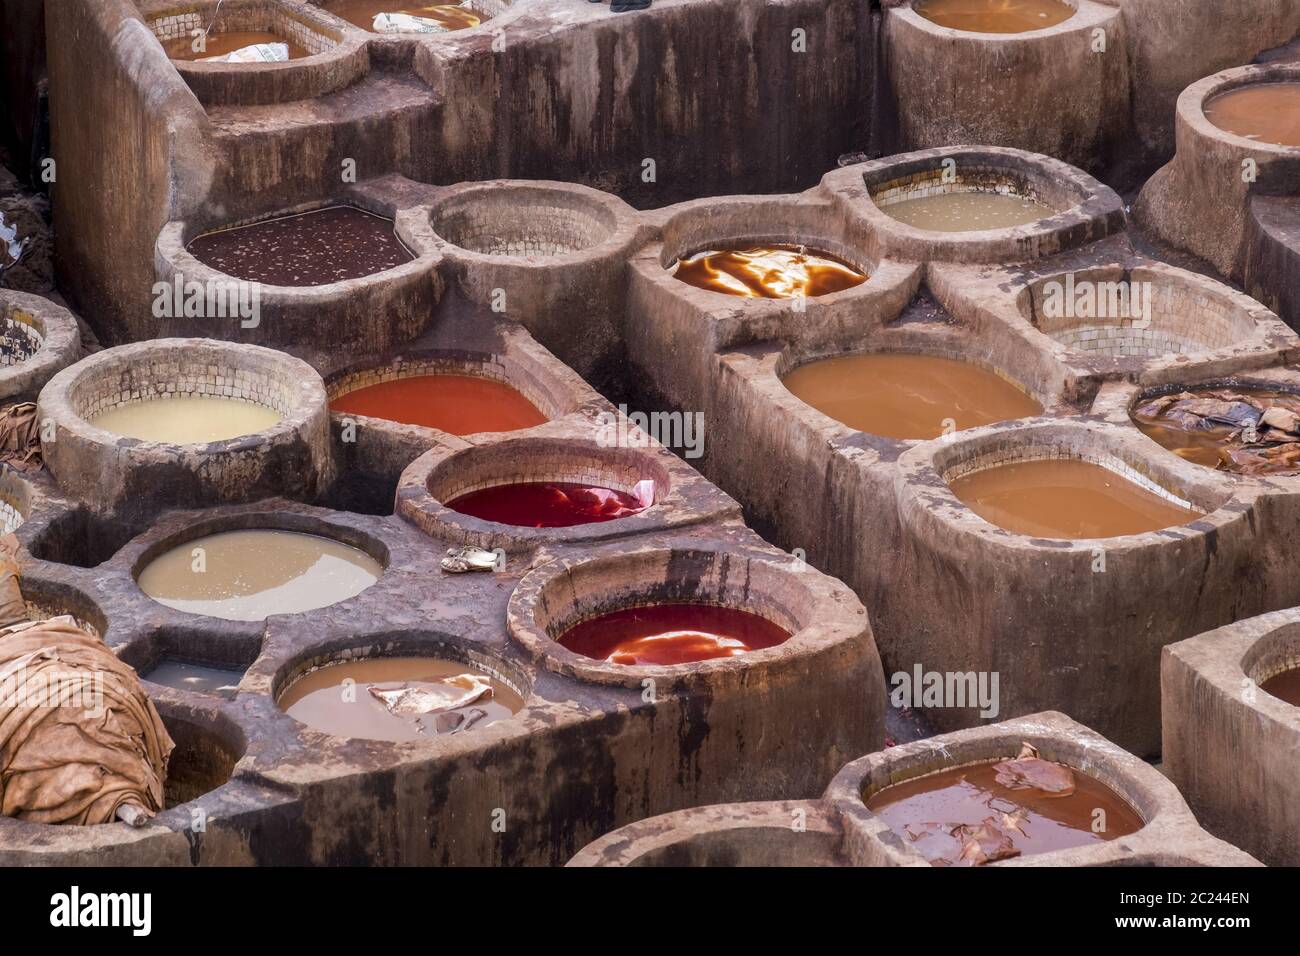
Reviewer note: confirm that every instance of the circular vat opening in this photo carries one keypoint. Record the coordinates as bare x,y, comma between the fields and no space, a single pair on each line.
458,394
995,16
184,393
15,501
207,749
413,16
334,243
1017,805
1273,663
46,599
269,564
548,484
240,33
1234,426
968,193
907,395
529,221
1266,112
402,689
1062,489
196,661
21,336
759,269
1135,314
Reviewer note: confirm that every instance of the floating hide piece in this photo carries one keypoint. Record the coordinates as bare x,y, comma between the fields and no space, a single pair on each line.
450,693
1030,770
20,436
80,742
257,53
1258,434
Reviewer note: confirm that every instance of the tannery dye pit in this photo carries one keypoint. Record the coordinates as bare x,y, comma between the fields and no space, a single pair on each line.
995,16
769,272
1284,686
1246,431
220,46
393,16
186,419
458,404
1264,112
553,504
967,211
672,634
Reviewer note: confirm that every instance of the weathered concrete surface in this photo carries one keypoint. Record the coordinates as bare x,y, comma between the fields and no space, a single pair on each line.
1272,270
22,78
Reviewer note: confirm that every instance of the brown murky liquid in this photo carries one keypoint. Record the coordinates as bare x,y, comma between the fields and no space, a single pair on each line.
336,699
310,249
768,272
1207,427
196,678
1284,686
458,404
995,16
967,211
250,575
362,13
1065,498
220,44
925,810
907,396
1264,112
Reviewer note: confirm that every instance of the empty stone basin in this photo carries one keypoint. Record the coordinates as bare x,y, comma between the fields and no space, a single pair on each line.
211,32
524,221
250,574
995,16
1263,112
908,395
15,501
409,16
771,271
37,339
204,758
21,336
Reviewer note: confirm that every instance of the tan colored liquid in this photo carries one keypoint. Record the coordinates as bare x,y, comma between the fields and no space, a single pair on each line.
187,419
323,700
995,16
1065,498
968,211
1264,112
1220,443
362,13
220,44
907,396
250,575
768,272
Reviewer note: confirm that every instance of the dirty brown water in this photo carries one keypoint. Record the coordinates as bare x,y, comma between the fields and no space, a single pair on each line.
1209,446
249,575
967,211
336,699
196,678
1264,112
1284,686
768,272
362,13
1065,498
668,634
995,16
971,794
187,419
457,404
220,44
907,396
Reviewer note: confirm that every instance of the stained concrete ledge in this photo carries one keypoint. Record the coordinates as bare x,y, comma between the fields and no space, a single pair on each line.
39,339
1272,270
1229,746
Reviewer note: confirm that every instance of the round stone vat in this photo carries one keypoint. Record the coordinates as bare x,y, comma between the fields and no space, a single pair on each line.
977,204
407,688
199,37
944,78
279,279
186,383
195,660
1198,201
250,566
15,501
37,339
1228,742
1120,598
48,597
208,746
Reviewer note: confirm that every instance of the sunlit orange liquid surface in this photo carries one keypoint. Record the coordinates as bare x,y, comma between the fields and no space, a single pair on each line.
969,795
768,272
995,16
362,13
898,395
219,44
1065,498
1264,112
672,634
458,404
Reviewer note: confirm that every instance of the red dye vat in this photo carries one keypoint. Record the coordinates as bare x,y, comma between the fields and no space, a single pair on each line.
553,504
672,634
457,404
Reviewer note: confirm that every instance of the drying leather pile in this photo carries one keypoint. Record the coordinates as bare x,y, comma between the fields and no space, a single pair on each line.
1260,434
20,436
80,742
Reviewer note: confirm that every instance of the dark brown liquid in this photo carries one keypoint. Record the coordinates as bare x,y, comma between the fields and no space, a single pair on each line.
995,16
907,396
925,810
1065,498
1264,112
310,249
362,13
1209,427
1284,686
458,404
219,44
323,700
768,272
672,634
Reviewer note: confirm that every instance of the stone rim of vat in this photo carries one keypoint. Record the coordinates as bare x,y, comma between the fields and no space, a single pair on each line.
1169,836
405,295
1086,209
1190,108
1215,735
1086,16
16,497
59,346
822,616
928,503
1258,334
343,57
569,452
111,472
